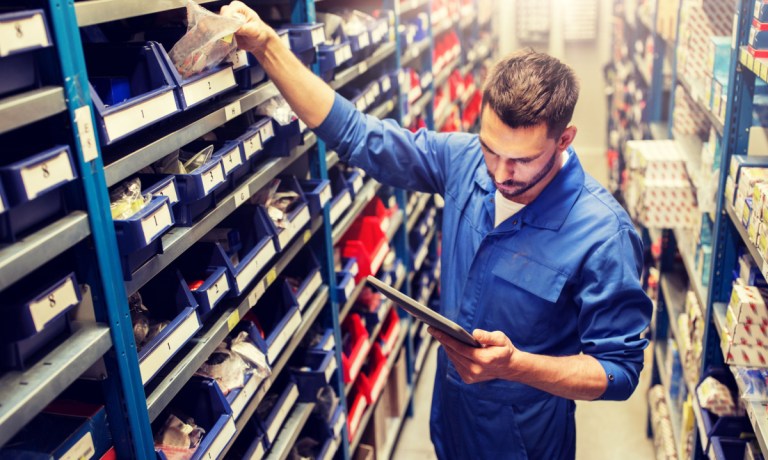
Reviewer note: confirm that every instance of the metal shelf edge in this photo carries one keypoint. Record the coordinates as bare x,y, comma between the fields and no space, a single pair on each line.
99,11
25,394
347,75
19,259
31,106
744,236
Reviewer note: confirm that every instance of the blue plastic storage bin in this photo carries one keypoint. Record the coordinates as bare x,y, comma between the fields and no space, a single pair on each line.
331,57
138,236
34,190
201,399
312,371
326,341
728,448
253,252
34,317
130,87
286,138
305,37
208,285
230,153
250,443
326,445
161,186
287,395
318,193
167,297
196,89
345,286
196,191
279,317
252,132
239,397
19,60
341,195
305,269
296,218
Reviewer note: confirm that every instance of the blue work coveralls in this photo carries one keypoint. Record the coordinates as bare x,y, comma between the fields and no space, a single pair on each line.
559,278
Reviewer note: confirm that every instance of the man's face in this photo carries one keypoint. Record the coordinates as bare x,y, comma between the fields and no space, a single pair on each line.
521,161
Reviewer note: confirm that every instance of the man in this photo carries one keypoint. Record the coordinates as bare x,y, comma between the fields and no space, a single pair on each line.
533,249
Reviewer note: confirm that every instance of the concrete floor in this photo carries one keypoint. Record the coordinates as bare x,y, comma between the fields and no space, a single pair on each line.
604,430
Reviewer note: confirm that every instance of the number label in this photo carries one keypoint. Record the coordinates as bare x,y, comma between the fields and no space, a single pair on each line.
45,175
157,222
212,177
232,110
63,296
22,34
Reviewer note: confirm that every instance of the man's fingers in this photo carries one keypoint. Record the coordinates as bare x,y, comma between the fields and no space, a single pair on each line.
497,338
450,342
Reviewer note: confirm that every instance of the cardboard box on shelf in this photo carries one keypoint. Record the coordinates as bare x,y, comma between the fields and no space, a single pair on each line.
747,305
737,354
398,384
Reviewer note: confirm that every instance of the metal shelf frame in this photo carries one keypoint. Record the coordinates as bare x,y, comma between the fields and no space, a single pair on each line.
23,109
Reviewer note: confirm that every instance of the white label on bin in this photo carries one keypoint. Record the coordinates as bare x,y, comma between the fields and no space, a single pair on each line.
256,293
132,118
354,418
383,310
42,176
309,290
242,194
384,224
217,290
221,441
329,344
357,184
357,364
169,191
325,194
348,289
360,104
231,160
282,413
156,223
282,338
362,67
252,145
255,452
245,395
23,33
339,424
400,272
232,110
267,132
376,263
318,36
248,273
302,126
424,293
84,124
163,352
342,54
239,59
332,448
332,366
340,206
83,448
44,310
363,40
386,84
354,269
379,385
212,177
420,257
389,345
209,86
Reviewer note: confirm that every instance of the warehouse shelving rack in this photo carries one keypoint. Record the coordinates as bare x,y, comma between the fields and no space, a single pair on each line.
729,233
89,229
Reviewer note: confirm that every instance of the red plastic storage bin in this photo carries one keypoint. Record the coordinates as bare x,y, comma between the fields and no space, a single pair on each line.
353,356
366,242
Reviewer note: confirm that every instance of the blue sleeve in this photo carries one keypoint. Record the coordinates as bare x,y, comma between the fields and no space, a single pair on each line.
389,153
615,311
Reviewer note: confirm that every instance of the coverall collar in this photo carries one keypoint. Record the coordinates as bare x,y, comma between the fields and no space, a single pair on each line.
550,209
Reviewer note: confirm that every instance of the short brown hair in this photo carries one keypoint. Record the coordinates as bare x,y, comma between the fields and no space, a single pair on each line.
528,88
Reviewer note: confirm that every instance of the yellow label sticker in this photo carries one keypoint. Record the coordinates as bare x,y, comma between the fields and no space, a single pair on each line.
227,38
271,276
307,235
233,319
764,71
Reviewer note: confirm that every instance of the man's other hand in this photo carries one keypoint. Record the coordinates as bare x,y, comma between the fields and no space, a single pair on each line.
495,360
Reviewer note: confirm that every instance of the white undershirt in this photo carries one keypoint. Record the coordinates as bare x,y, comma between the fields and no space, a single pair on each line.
506,208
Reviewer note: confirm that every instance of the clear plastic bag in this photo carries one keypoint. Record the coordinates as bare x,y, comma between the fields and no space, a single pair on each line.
179,440
126,199
209,40
278,109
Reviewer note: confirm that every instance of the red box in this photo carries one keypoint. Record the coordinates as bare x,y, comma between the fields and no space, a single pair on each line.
374,382
366,242
352,363
357,404
390,331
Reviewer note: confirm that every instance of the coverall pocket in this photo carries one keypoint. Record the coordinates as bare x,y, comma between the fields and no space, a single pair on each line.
474,428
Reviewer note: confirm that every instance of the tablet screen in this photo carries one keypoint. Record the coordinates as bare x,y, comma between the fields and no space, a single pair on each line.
424,313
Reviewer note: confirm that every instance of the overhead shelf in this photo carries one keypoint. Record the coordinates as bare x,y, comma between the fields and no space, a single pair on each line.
179,239
172,379
417,108
696,96
21,258
90,12
346,76
24,394
307,320
758,66
140,151
25,108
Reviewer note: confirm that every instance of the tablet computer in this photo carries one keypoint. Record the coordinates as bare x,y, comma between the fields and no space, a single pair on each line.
424,313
